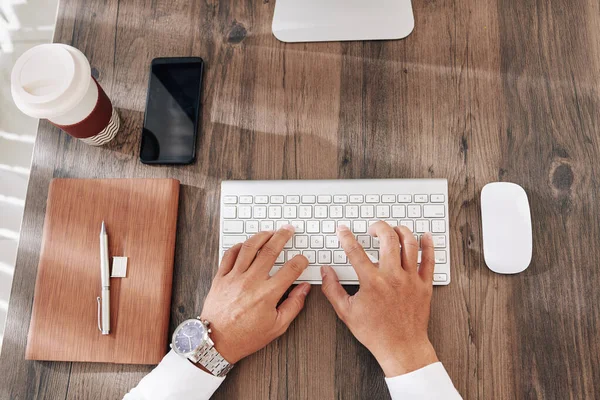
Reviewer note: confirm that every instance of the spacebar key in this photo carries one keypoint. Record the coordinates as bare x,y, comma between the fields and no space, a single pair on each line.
231,240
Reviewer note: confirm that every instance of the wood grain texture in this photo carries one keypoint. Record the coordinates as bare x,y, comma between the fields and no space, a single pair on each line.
480,92
140,217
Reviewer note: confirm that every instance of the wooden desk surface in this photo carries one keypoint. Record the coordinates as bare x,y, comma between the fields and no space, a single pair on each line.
481,91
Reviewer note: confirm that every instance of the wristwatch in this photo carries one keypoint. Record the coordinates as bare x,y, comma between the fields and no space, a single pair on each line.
191,340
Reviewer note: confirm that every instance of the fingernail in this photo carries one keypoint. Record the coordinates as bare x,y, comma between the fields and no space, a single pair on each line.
427,235
343,228
289,227
305,288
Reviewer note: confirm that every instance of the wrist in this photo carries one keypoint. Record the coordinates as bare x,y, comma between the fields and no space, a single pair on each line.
405,358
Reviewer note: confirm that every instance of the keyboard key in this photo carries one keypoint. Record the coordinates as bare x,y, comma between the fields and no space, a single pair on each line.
251,226
299,226
345,273
230,199
233,226
313,226
320,211
434,211
339,257
290,212
419,257
422,226
373,255
305,212
388,198
267,225
291,254
404,198
276,199
312,273
324,257
317,242
244,212
364,240
281,223
373,222
259,212
328,227
391,222
439,241
232,240
245,199
418,239
292,199
350,211
440,277
438,198
280,258
438,226
275,212
340,199
372,198
440,256
421,198
398,211
382,211
409,224
301,242
332,242
324,199
289,244
375,243
336,212
228,212
367,211
414,211
309,199
261,199
357,198
359,226
311,255
344,222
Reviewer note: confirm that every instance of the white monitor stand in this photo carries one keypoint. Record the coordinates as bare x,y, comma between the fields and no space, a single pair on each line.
337,20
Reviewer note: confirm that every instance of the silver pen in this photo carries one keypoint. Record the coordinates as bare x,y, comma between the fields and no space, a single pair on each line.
104,303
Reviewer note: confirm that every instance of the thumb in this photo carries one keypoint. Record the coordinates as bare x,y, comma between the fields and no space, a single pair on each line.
291,307
335,293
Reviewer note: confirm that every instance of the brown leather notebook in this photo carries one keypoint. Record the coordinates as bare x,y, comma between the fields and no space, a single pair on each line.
141,219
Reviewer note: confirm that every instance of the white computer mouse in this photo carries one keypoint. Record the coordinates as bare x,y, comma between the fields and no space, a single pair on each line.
506,220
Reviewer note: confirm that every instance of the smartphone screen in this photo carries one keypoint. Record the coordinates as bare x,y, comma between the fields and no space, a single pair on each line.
172,111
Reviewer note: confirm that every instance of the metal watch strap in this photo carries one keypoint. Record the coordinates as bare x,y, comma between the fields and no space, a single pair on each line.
209,358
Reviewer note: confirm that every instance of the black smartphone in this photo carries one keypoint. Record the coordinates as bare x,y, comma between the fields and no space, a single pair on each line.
171,121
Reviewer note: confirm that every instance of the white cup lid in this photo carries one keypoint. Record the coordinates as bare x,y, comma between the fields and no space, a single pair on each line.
49,80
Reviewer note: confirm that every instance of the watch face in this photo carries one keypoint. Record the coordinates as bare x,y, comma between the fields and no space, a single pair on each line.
188,336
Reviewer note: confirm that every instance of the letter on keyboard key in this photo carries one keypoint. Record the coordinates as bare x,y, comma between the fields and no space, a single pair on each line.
339,257
301,242
359,226
230,199
311,255
391,222
373,255
398,211
291,254
233,226
439,241
328,227
332,242
364,240
298,226
232,240
267,225
345,223
409,224
281,223
317,242
251,226
324,257
434,211
313,227
228,212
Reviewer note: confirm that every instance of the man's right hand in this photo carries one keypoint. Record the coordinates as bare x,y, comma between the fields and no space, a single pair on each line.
390,312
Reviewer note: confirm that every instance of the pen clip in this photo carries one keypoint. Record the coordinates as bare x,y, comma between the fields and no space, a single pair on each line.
99,312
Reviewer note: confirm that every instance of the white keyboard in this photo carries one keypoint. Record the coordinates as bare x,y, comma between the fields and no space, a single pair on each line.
315,208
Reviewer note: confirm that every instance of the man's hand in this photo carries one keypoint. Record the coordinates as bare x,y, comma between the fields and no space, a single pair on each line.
242,303
390,312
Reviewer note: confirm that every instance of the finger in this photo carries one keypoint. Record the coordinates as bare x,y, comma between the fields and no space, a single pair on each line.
249,250
291,307
410,248
288,274
228,260
355,252
389,246
268,254
427,258
335,293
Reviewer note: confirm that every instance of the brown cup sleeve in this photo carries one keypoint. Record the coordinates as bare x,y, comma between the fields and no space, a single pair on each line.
93,123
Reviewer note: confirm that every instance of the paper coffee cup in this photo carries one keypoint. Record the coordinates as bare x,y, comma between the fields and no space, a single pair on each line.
54,81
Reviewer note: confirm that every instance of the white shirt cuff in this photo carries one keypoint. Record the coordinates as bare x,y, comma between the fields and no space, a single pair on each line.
175,378
430,382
